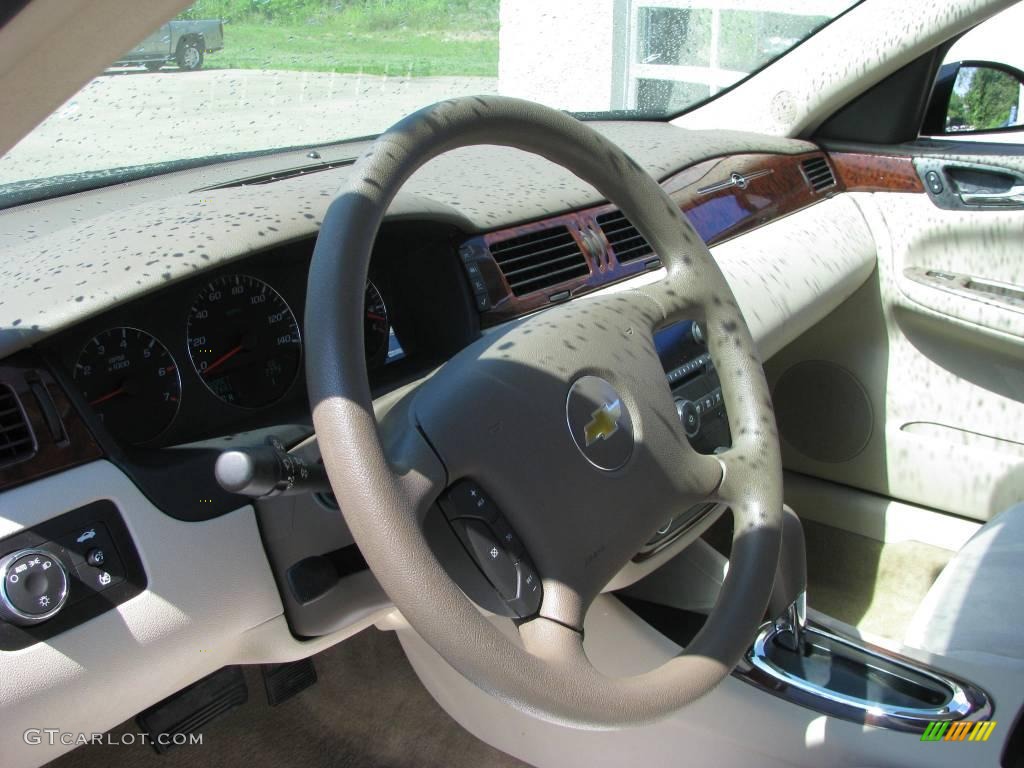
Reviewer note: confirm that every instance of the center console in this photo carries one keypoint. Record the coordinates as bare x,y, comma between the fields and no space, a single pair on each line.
700,407
695,386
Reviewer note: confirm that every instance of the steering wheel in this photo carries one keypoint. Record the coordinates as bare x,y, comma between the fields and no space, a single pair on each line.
501,412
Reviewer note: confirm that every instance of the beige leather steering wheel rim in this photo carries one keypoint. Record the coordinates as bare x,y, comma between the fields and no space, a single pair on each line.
580,523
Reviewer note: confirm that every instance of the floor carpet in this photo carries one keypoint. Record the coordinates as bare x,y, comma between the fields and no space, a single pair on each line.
367,710
874,586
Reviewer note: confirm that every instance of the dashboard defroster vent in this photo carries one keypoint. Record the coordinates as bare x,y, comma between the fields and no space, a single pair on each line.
626,242
539,260
16,440
818,173
282,175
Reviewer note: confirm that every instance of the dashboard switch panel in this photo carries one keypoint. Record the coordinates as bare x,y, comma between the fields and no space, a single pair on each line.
65,571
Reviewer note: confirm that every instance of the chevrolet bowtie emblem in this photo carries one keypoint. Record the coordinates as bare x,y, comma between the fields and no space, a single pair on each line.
604,422
599,423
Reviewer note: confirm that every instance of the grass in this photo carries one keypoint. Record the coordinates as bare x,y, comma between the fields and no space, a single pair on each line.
409,38
330,49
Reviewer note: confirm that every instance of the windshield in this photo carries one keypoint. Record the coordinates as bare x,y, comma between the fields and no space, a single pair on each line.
237,76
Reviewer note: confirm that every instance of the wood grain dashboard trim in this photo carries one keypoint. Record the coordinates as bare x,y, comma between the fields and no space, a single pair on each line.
722,197
62,440
876,173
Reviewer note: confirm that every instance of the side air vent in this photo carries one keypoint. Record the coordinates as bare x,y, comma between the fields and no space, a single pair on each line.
539,260
818,174
16,440
626,242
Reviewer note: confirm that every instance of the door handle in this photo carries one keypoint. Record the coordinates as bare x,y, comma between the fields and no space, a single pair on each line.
1013,196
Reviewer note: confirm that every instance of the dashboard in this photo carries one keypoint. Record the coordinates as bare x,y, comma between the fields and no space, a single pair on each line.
222,353
131,371
203,350
211,352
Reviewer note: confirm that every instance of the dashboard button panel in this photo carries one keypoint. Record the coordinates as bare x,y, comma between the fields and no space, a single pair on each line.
93,566
695,385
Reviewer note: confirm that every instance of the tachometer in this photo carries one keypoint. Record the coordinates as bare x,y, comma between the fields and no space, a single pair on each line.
244,341
131,381
376,328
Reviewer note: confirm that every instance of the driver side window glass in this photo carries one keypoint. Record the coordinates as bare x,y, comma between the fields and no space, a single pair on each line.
979,91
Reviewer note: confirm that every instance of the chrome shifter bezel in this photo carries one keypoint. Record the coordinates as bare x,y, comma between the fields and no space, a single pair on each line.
963,702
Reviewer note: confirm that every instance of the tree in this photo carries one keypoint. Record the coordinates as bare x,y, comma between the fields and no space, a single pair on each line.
956,115
989,98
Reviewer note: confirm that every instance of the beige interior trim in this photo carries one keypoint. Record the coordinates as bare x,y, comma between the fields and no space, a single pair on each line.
876,517
208,584
733,725
792,273
924,355
982,244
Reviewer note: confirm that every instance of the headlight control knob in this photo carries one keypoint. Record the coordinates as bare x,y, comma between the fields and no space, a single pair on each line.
33,586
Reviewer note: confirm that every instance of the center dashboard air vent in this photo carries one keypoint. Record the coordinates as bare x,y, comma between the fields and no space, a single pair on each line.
818,173
627,243
16,440
540,259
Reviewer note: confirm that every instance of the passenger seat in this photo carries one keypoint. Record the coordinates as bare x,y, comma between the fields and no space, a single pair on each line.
975,609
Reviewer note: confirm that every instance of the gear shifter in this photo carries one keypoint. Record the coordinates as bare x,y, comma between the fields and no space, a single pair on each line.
788,603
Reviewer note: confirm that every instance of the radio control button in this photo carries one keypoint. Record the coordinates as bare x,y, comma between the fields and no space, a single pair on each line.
689,417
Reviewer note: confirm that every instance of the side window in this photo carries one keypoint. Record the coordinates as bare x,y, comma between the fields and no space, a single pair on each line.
979,91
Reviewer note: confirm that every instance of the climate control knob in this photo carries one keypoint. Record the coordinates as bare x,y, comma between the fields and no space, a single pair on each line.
33,586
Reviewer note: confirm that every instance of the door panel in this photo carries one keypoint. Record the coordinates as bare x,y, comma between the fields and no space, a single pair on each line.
925,362
961,265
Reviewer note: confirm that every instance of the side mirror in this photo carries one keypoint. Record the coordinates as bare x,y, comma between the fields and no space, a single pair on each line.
975,97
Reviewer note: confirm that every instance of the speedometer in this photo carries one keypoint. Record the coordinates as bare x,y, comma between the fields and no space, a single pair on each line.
244,341
376,328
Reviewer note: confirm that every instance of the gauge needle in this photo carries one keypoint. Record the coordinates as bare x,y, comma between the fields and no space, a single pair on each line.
378,318
119,391
222,359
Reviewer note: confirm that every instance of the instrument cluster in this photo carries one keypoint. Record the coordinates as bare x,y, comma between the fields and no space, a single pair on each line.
233,347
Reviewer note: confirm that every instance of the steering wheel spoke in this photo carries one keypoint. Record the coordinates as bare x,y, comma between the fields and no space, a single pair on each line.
419,475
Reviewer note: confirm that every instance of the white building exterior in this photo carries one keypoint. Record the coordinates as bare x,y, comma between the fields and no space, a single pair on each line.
644,53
